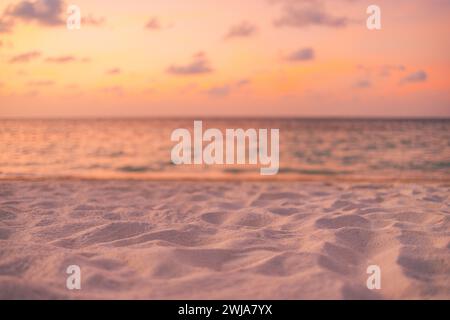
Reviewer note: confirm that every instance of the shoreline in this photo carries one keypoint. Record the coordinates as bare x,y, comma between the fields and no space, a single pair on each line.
231,178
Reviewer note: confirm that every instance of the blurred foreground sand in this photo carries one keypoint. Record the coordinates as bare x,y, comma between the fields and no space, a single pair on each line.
224,240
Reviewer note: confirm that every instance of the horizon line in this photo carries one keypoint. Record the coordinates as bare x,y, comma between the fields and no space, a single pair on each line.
246,117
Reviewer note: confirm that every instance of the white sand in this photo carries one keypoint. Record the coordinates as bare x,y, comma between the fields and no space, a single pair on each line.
223,240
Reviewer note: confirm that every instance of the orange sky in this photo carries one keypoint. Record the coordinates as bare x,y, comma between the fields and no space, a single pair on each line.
224,58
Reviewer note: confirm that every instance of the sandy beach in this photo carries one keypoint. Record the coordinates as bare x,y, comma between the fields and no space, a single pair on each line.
224,240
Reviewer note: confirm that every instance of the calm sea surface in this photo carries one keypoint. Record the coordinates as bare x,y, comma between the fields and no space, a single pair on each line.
309,148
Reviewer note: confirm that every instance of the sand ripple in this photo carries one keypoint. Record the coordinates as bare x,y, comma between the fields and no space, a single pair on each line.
223,240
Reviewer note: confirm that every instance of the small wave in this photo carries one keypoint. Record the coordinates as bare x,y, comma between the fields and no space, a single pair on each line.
441,164
236,171
324,172
135,169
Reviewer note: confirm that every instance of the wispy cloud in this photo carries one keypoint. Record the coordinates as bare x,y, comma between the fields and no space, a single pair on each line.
304,54
301,14
226,89
61,59
418,76
387,70
117,90
41,83
25,57
91,20
219,91
363,84
198,65
113,71
6,25
153,24
44,12
242,82
242,30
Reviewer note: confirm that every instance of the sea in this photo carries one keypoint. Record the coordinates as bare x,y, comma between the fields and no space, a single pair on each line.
310,149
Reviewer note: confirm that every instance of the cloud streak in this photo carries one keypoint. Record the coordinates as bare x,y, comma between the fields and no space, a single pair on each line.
44,12
302,14
91,20
113,71
220,91
363,84
242,30
25,57
226,89
387,70
61,59
198,65
153,24
41,83
415,77
117,90
6,25
304,54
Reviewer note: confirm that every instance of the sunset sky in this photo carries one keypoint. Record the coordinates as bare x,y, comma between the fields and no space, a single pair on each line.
224,58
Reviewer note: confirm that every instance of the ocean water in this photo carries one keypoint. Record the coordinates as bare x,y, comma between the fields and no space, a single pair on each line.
309,149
